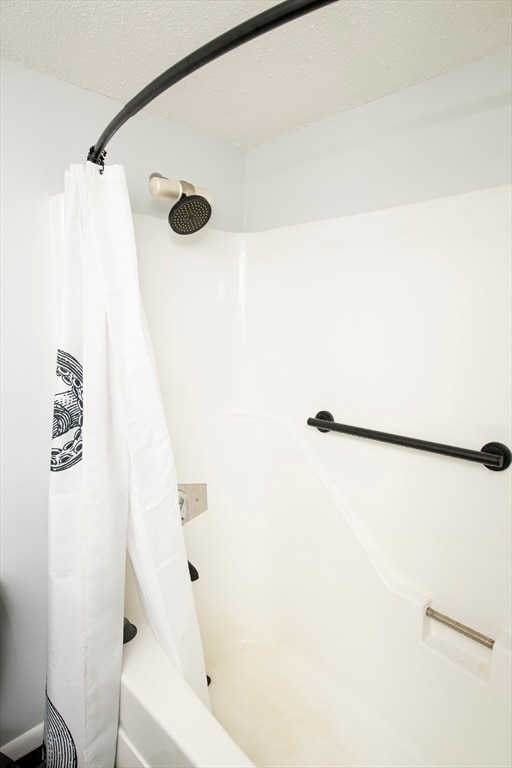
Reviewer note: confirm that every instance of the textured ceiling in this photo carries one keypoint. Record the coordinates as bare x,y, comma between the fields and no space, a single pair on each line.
331,60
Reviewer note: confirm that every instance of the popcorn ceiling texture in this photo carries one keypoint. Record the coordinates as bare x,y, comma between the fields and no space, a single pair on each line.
329,61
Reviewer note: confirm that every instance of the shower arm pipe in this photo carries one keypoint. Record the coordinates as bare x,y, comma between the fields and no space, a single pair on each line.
494,456
228,41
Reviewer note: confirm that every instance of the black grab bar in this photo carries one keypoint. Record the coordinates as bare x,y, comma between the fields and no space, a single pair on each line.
495,456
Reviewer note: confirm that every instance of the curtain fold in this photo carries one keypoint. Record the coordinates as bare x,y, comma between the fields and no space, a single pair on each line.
113,478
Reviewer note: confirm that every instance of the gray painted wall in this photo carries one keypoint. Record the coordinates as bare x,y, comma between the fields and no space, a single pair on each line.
442,137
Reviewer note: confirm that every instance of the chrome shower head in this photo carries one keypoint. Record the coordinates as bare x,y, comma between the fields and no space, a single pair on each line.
192,210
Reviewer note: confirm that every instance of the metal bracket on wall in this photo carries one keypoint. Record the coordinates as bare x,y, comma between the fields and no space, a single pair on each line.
193,500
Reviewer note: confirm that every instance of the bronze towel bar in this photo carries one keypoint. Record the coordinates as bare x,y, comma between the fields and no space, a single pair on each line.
462,628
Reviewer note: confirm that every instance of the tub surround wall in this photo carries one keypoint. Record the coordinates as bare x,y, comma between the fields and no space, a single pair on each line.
315,659
329,546
383,319
192,287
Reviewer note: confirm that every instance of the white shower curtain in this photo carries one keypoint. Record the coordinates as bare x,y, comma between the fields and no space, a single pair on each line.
113,478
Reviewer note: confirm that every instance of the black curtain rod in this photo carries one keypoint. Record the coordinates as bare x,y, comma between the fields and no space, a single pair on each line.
495,456
248,30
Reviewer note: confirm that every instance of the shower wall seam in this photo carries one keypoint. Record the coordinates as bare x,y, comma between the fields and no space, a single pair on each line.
242,322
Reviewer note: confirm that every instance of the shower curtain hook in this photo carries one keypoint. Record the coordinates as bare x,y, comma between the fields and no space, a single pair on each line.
100,161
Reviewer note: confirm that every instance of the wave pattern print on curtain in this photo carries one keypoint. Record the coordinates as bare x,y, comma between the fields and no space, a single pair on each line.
113,477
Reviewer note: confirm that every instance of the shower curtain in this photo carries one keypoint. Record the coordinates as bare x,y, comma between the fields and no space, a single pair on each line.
113,481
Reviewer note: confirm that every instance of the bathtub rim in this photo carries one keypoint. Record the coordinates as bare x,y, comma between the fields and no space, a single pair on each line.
160,711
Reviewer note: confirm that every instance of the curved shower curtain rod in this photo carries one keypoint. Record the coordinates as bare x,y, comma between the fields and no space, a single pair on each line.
248,30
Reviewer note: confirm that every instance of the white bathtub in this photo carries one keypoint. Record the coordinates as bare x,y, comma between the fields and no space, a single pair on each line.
163,724
317,657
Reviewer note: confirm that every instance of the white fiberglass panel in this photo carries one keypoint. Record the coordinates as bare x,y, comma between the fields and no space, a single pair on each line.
189,286
399,321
